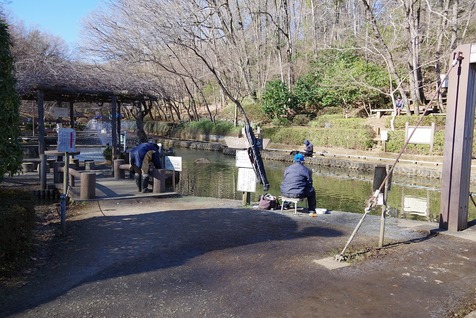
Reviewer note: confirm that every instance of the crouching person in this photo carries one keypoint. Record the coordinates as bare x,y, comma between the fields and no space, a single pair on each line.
142,156
297,183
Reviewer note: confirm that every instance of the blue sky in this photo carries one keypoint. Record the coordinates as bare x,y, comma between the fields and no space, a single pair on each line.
61,18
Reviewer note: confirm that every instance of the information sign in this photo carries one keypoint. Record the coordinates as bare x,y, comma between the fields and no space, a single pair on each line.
246,180
243,159
66,140
173,163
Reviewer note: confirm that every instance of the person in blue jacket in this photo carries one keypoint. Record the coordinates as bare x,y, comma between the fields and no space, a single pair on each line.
297,182
308,148
142,156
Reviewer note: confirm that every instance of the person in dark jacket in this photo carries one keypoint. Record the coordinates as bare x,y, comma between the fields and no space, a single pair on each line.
142,156
308,148
297,183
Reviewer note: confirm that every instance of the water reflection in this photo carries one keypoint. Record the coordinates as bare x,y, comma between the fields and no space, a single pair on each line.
335,189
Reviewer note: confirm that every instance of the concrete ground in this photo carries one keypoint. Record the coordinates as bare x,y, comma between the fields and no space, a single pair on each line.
207,257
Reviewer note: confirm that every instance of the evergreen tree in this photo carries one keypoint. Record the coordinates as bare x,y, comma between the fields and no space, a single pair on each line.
10,149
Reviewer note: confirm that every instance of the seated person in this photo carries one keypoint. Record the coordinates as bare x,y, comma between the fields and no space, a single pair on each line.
308,148
399,105
297,183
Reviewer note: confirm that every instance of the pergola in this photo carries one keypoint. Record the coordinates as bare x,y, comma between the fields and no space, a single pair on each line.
73,95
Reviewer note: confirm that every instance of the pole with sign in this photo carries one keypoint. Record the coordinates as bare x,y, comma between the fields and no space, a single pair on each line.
66,144
246,175
174,164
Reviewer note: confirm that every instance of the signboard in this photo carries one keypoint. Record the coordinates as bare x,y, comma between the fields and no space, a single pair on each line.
242,159
60,112
66,140
246,180
173,163
421,135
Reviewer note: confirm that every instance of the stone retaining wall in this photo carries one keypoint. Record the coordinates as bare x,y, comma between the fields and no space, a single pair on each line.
407,170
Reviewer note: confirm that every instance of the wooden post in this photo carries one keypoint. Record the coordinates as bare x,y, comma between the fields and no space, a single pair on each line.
43,171
88,185
158,175
71,114
457,152
118,172
246,198
41,124
380,175
113,127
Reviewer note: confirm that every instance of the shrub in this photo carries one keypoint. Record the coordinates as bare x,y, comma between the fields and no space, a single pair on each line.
17,215
440,121
277,99
337,121
396,141
359,139
158,128
107,153
301,120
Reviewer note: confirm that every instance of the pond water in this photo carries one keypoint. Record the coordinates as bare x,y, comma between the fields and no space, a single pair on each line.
340,190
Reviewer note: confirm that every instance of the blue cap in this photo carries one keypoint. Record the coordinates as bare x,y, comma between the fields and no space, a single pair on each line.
298,157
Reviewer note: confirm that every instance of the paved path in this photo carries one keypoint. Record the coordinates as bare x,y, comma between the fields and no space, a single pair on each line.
204,257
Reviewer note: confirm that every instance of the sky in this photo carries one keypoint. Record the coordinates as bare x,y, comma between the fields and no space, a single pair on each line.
61,18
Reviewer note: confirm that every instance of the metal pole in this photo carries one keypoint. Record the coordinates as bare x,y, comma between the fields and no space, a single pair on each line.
246,198
382,222
340,257
66,173
63,198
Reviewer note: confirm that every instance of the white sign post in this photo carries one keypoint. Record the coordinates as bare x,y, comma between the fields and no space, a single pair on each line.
420,135
246,175
174,164
246,180
66,140
66,144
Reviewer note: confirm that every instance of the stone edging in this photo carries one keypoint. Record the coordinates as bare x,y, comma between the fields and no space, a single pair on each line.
331,162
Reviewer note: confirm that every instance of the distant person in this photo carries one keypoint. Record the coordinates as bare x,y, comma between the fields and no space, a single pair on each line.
399,105
297,183
308,148
142,156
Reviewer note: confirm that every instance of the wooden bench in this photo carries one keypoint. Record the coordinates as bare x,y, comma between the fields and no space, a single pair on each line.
157,175
294,201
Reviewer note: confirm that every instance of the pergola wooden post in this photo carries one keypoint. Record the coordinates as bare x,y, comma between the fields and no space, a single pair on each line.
113,127
41,123
458,140
71,114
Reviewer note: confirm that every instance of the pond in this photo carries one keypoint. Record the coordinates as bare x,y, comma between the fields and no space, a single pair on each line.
341,190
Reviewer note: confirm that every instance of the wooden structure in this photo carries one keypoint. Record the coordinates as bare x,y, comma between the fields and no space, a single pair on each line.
73,95
458,139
